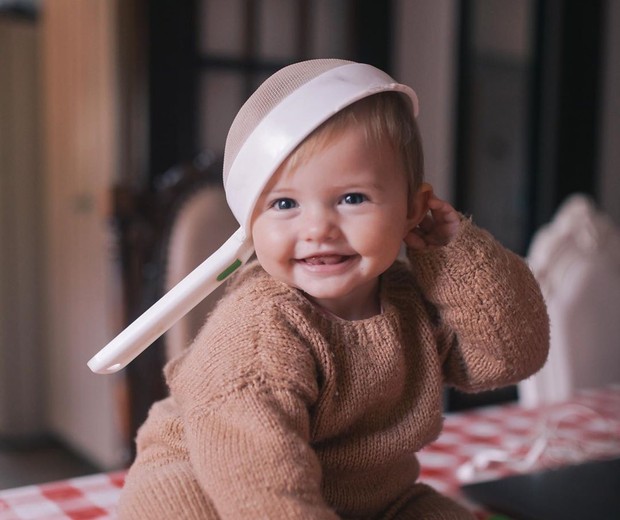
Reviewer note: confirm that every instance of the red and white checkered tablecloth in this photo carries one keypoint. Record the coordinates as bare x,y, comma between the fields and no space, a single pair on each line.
82,498
497,441
478,445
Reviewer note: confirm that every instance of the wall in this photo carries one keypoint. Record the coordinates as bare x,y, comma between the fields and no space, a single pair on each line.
425,46
80,164
21,197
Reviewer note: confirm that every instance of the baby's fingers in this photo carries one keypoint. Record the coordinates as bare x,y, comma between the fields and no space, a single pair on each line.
415,240
441,208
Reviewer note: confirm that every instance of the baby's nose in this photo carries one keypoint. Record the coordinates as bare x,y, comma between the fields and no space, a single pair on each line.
319,225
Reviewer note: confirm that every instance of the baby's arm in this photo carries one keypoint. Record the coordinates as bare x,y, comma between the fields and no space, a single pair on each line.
244,405
493,327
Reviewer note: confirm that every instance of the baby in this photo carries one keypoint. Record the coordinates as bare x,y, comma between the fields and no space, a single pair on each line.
320,374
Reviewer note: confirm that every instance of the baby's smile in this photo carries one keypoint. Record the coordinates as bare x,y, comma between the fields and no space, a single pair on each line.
330,259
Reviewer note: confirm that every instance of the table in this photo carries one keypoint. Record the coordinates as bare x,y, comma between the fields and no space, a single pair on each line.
475,445
497,441
82,498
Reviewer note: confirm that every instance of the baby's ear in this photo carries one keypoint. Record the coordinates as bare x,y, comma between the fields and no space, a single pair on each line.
418,205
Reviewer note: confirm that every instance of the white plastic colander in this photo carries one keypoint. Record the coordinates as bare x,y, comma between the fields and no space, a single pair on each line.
280,114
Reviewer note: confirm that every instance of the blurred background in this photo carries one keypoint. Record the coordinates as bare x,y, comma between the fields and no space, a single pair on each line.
112,110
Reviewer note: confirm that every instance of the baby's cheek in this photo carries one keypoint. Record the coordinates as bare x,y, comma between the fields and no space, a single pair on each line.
384,245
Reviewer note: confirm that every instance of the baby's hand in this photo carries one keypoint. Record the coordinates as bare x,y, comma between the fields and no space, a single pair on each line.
437,228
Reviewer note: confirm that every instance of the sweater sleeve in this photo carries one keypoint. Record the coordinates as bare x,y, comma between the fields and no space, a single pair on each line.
245,406
493,327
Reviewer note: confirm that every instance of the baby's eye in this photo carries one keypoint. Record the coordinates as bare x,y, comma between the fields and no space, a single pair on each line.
283,204
354,198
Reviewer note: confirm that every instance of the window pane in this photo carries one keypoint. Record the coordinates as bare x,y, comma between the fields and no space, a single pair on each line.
221,26
497,187
330,34
277,29
221,96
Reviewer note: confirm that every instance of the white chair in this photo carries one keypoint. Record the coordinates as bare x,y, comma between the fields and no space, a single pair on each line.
576,259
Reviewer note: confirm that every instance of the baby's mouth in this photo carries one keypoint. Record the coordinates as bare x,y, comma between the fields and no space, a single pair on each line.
324,259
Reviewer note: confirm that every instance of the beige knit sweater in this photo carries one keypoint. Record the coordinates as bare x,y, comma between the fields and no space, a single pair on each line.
280,411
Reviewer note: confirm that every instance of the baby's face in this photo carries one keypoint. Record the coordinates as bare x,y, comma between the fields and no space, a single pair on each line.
333,223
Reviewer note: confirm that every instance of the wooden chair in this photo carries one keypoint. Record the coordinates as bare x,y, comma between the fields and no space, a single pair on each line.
165,231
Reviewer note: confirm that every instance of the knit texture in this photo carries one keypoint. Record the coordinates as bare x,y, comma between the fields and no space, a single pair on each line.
281,411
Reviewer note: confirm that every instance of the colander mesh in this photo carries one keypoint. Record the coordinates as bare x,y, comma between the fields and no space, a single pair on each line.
266,97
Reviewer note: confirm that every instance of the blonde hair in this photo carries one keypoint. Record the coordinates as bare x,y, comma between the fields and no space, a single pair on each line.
385,116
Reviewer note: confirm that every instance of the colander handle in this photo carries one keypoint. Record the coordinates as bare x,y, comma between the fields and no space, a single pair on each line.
175,304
